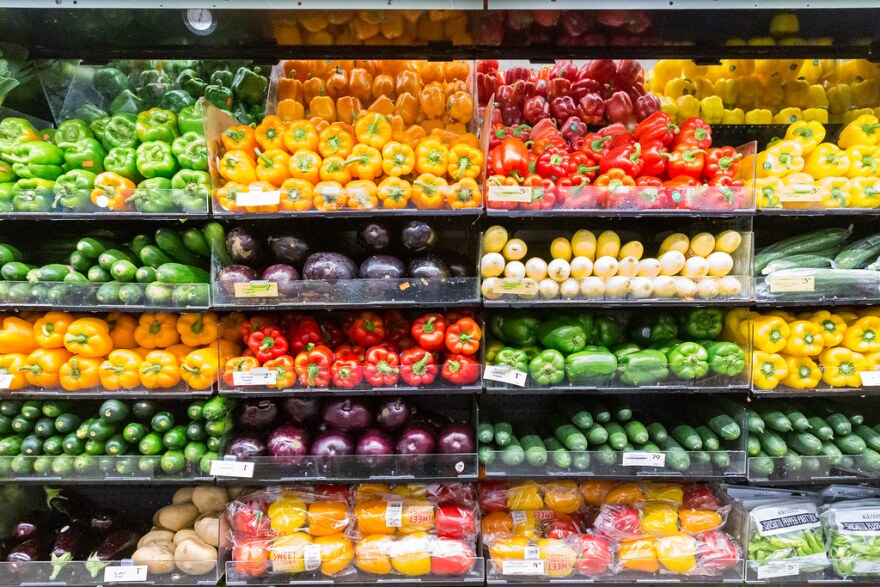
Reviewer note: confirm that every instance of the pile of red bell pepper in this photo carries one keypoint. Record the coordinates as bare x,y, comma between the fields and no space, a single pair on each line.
599,92
563,28
364,349
657,159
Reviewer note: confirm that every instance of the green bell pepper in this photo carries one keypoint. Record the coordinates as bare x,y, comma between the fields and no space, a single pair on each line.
647,327
516,330
189,81
688,360
73,190
71,131
590,367
492,347
222,77
219,96
85,154
155,159
153,76
240,113
99,129
531,350
123,161
110,82
191,190
153,85
625,348
6,194
726,358
156,124
249,86
120,131
513,358
33,195
191,151
16,131
562,333
126,102
6,173
47,134
665,345
607,331
586,320
37,159
153,196
176,100
548,367
89,113
191,119
702,322
643,368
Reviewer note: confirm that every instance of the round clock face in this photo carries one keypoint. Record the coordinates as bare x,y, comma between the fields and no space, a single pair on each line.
200,21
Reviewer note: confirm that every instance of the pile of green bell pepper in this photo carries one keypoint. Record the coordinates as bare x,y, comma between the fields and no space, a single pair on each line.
595,350
164,156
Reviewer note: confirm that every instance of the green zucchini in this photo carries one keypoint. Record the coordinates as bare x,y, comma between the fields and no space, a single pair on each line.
725,427
676,457
560,455
110,256
9,253
636,432
92,247
123,270
871,438
687,437
601,413
503,433
820,429
832,452
850,444
145,275
79,261
871,459
568,434
720,459
605,455
709,439
753,445
158,293
195,241
700,457
803,443
15,271
108,293
580,417
171,243
75,277
798,420
485,432
180,273
153,256
51,272
792,461
859,253
139,242
513,454
616,435
215,234
486,454
806,261
811,464
596,434
620,409
98,274
838,422
777,421
536,452
657,432
760,466
580,461
772,444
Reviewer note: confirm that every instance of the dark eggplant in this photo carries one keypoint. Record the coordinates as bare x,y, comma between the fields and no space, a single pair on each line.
31,550
117,545
329,266
428,267
291,250
34,524
285,276
416,440
229,276
302,411
393,414
382,267
332,443
69,504
374,442
103,521
374,237
70,544
458,264
456,438
243,247
288,441
348,415
258,414
429,418
418,236
244,447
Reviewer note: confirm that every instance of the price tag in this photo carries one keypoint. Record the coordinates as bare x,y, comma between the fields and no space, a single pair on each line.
5,381
866,567
778,569
125,574
643,459
869,379
256,289
394,514
258,198
258,376
801,193
518,517
312,556
512,285
510,193
504,374
220,468
524,567
791,284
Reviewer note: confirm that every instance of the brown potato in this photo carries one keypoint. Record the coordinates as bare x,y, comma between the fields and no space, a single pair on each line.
182,495
158,559
178,517
208,528
185,534
194,557
209,499
156,537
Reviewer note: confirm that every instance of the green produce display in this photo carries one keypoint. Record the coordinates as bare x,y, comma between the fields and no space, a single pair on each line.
652,348
785,530
853,545
63,438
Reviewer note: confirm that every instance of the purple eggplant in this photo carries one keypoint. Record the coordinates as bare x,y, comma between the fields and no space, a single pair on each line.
374,237
393,414
458,264
428,267
374,442
288,441
31,550
332,443
348,415
243,247
418,236
329,266
32,525
291,250
244,447
416,440
258,414
103,521
456,438
69,504
382,267
285,276
117,545
70,544
302,411
229,276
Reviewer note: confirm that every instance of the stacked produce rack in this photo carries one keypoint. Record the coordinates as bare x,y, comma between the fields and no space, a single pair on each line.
462,295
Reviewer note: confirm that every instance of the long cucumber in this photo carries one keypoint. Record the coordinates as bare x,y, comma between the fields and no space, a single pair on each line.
803,243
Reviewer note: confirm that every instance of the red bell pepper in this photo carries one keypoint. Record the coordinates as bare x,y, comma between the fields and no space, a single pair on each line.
649,180
463,337
346,373
510,102
563,108
305,336
591,108
514,74
716,552
721,162
557,88
626,158
573,128
331,333
619,108
596,145
451,557
251,554
582,163
539,87
594,557
396,325
285,371
501,132
364,328
267,343
248,327
313,367
564,68
238,365
454,521
562,526
725,181
429,331
487,66
657,127
694,133
460,369
249,518
417,366
486,86
381,368
456,314
646,105
654,158
543,193
510,158
350,351
493,496
552,164
536,108
699,497
628,73
601,70
685,162
619,522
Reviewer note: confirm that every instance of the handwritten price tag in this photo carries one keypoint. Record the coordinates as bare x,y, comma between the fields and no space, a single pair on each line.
256,289
643,459
791,284
801,193
509,193
259,376
510,285
505,374
258,198
239,469
125,574
778,569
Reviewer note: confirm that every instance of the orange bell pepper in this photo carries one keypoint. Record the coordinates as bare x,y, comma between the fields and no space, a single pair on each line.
305,165
394,192
227,196
42,366
335,142
323,106
696,521
120,370
456,70
347,109
269,134
465,161
362,194
624,494
407,81
464,194
199,369
334,169
429,191
336,553
290,110
272,166
326,518
431,71
337,83
407,107
365,162
301,134
237,166
296,195
112,192
383,85
230,326
10,365
197,328
461,107
17,336
157,330
122,327
179,350
80,373
509,548
290,89
371,554
397,159
432,100
370,516
639,555
312,88
88,337
159,370
49,330
432,156
562,496
360,85
373,130
329,195
239,138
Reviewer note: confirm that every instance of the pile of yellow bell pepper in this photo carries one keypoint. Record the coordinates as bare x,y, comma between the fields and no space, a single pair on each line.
767,91
115,352
803,171
809,350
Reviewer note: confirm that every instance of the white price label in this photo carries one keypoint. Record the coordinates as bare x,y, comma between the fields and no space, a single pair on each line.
258,198
505,374
510,193
102,201
778,569
791,284
866,567
869,378
125,574
258,376
256,289
643,459
512,285
5,381
801,193
524,567
394,514
241,469
312,556
517,517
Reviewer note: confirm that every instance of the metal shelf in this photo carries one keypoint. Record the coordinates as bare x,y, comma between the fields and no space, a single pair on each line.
678,4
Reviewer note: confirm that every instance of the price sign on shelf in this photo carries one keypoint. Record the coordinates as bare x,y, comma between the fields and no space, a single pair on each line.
870,378
125,574
258,376
512,285
509,193
778,569
505,374
5,381
258,198
256,289
240,469
791,284
643,459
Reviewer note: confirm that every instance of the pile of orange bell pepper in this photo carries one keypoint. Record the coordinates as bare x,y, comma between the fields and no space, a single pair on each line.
372,529
575,528
117,351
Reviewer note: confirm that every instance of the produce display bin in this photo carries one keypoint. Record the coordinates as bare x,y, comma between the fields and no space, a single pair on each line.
476,576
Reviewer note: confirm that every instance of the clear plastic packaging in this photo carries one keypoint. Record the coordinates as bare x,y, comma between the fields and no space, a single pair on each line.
852,537
785,539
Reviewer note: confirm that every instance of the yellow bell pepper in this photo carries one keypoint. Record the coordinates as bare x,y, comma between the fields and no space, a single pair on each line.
787,116
767,189
712,109
397,159
663,72
840,99
759,116
731,330
807,134
669,106
848,316
157,330
837,192
817,98
677,552
17,336
49,330
811,70
863,160
665,492
817,114
728,90
524,496
873,361
735,116
768,369
784,24
864,130
704,88
197,328
465,161
866,192
865,93
688,107
89,337
805,339
432,156
750,94
659,518
678,87
826,161
803,373
159,369
863,335
781,159
10,364
796,93
738,68
638,555
199,369
774,95
841,367
855,114
832,327
784,314
562,496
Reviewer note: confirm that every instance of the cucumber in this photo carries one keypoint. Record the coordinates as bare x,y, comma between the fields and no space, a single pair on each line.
15,271
180,273
97,274
51,272
849,444
11,445
145,275
803,243
753,446
139,242
832,452
158,294
772,444
153,256
596,434
687,437
820,429
172,244
190,295
75,277
215,234
39,293
616,435
108,293
195,241
760,466
79,261
123,270
620,409
601,413
798,420
131,294
725,427
503,434
561,457
580,461
871,438
485,433
847,462
700,457
536,452
650,447
792,461
513,454
92,247
605,455
839,423
636,432
811,464
709,439
657,432
805,261
19,293
859,253
580,417
871,459
676,457
486,454
568,434
32,445
855,418
9,253
776,420
803,443
110,256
